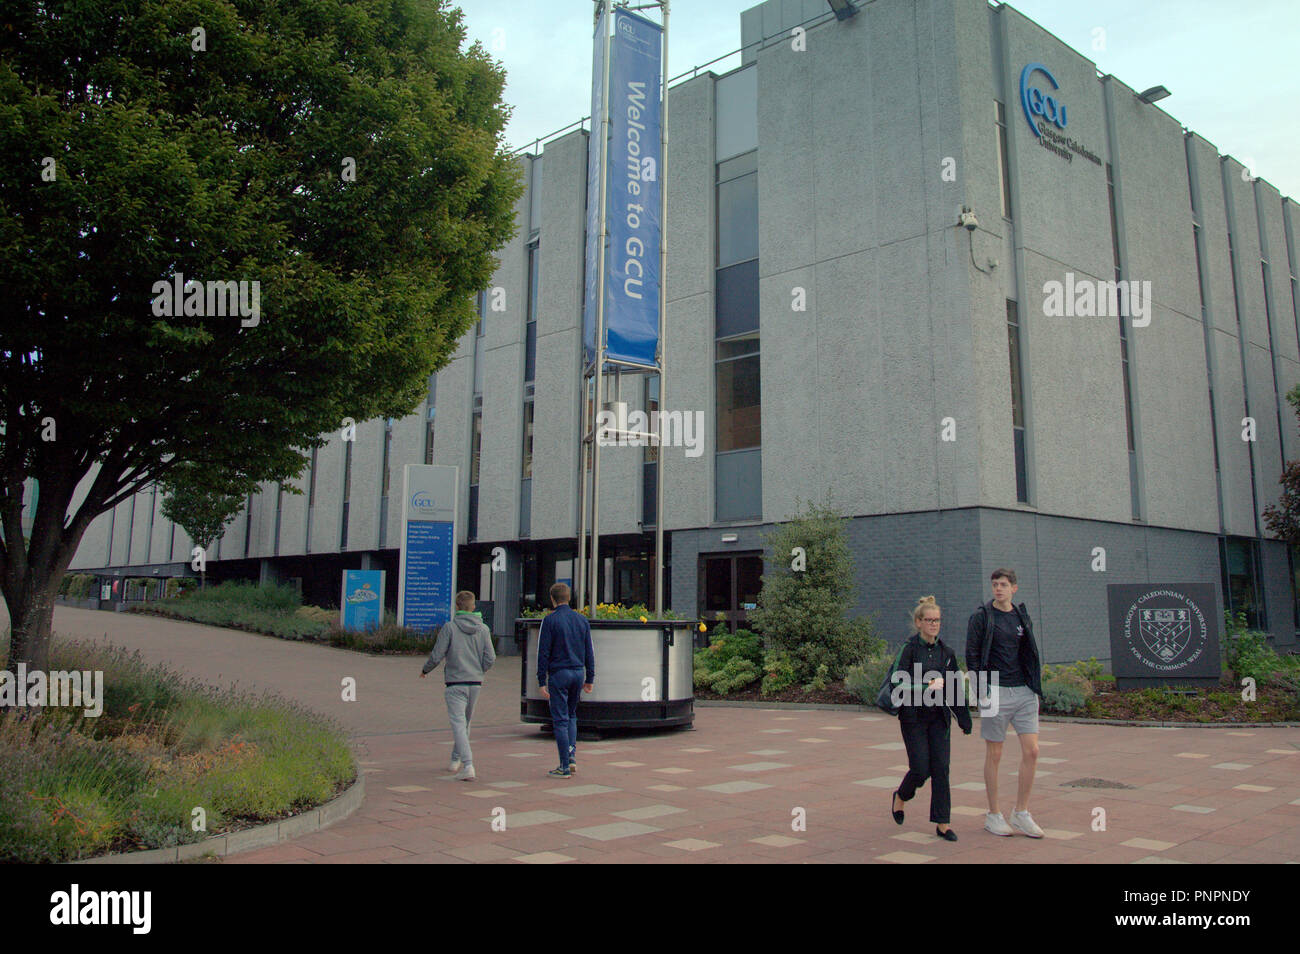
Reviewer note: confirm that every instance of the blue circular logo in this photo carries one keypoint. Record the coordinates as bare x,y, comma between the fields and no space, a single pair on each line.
1037,103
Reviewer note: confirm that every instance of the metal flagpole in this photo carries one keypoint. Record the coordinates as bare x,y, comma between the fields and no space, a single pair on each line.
599,367
663,327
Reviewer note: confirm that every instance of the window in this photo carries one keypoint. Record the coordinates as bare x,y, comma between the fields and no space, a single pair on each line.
738,393
1239,561
530,328
476,448
1004,168
528,441
1017,402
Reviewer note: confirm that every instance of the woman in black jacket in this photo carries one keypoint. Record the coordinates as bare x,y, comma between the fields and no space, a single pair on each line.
928,689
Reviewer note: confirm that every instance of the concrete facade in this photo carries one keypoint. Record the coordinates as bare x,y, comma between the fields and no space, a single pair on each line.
889,389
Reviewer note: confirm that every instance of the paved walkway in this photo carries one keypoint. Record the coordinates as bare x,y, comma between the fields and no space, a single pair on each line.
734,788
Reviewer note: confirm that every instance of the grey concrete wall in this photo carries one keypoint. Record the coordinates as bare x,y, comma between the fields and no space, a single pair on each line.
689,334
556,405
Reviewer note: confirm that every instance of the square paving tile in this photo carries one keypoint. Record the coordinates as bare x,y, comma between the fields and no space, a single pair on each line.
1157,860
626,764
697,750
777,841
1194,809
870,718
486,793
1060,834
527,819
666,788
1147,844
673,770
734,788
969,786
1049,761
544,858
1232,766
968,811
814,741
524,755
881,781
905,858
889,746
648,811
771,751
1191,755
1282,751
691,844
914,837
486,851
760,766
577,791
508,784
623,829
832,728
407,789
776,731
1254,788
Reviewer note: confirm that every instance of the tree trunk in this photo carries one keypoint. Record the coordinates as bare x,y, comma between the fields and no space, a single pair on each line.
31,614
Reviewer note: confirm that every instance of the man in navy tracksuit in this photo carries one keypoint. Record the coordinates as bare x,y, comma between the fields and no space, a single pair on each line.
564,656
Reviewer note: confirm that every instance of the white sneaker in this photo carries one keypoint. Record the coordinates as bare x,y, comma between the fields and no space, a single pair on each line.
1023,821
466,774
995,823
455,765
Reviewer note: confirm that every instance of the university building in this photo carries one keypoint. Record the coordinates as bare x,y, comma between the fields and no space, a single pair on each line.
899,246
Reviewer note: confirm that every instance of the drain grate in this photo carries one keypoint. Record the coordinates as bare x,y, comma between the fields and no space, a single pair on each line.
1095,783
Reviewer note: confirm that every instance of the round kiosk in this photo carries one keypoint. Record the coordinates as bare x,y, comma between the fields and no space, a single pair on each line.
644,674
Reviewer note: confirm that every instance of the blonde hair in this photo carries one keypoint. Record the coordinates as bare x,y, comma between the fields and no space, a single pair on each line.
923,604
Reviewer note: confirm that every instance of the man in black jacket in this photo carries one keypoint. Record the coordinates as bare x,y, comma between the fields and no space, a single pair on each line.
1001,651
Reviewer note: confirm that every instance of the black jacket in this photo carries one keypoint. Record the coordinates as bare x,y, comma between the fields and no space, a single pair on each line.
945,660
979,642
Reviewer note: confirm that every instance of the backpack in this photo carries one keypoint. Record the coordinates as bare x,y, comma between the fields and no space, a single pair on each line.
883,698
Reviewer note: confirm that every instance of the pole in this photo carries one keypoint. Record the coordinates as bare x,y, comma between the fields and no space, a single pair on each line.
663,327
599,368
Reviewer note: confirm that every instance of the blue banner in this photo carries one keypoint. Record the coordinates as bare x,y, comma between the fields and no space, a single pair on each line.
430,551
363,598
632,196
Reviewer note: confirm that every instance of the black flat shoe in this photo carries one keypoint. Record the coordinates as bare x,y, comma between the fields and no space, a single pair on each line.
898,815
948,835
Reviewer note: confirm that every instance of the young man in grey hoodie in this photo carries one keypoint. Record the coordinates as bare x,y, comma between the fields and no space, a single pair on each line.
466,643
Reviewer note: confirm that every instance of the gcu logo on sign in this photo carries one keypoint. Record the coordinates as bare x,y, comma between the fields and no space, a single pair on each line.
1036,103
422,501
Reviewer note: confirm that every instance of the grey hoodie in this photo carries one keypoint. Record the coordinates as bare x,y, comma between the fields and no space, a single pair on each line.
465,642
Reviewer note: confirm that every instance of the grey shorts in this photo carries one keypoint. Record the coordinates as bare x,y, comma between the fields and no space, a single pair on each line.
1016,706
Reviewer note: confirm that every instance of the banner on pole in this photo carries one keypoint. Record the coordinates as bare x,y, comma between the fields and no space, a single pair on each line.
630,279
428,561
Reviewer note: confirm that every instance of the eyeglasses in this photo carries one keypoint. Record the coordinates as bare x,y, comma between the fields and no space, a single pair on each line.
935,619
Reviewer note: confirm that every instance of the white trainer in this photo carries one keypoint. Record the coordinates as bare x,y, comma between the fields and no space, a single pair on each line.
995,823
454,767
1023,821
466,774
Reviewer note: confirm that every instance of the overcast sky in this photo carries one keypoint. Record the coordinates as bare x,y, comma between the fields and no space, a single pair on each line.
1231,67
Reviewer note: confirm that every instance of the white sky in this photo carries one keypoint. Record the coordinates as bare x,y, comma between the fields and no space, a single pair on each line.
1231,67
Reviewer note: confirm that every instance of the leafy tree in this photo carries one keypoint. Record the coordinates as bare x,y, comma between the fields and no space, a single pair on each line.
194,504
803,606
346,156
1284,519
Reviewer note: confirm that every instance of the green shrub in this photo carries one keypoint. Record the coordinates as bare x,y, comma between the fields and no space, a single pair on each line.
1249,656
737,674
778,672
803,611
1062,696
864,679
1071,677
819,681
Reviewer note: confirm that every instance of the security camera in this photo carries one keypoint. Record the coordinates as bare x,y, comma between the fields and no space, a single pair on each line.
967,218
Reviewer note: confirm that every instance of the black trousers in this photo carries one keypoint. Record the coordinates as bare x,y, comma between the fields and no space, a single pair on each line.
928,749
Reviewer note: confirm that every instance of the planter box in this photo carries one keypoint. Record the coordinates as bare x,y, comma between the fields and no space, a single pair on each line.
644,674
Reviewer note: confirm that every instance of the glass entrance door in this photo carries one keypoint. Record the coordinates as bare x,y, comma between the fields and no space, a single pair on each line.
729,584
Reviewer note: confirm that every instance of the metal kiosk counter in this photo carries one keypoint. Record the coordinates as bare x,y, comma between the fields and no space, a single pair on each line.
644,674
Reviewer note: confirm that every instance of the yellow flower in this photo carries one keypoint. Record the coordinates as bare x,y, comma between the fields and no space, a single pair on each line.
703,628
643,619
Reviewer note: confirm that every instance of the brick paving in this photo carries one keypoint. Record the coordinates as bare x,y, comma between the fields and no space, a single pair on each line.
732,789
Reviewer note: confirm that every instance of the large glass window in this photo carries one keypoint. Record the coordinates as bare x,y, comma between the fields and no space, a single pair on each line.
738,394
738,220
1239,560
528,440
530,329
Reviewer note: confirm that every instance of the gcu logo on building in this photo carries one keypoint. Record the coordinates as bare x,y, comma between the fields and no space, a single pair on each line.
1036,103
